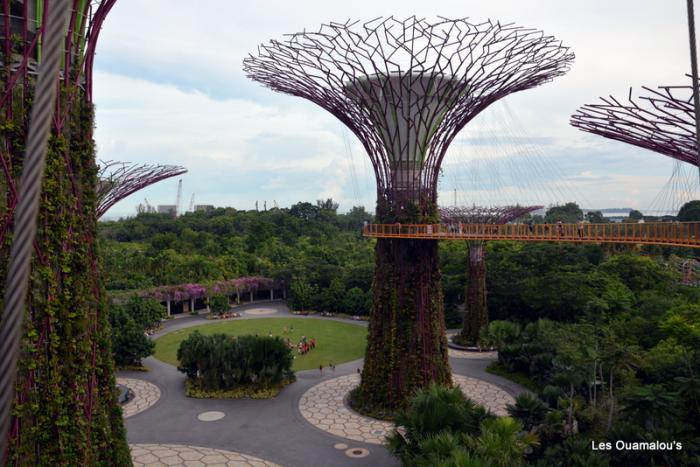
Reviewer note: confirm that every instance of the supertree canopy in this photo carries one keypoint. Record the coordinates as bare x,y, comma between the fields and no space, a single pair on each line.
65,410
663,121
405,88
117,180
476,306
485,214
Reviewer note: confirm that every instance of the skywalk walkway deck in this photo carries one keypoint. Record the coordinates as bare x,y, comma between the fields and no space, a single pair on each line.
683,234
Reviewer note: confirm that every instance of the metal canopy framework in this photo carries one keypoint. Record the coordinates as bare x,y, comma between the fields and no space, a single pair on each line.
485,215
663,121
405,88
117,180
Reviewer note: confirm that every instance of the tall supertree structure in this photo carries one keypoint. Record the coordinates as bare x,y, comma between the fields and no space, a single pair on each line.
117,180
663,121
405,88
475,306
65,410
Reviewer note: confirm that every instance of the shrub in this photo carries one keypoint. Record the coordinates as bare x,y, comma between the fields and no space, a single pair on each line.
441,427
220,362
145,312
433,411
529,409
129,342
356,302
218,304
500,333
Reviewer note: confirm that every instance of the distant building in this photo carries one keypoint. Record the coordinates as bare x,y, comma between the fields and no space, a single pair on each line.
167,209
203,207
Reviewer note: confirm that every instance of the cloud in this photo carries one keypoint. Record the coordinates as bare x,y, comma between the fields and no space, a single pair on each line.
169,88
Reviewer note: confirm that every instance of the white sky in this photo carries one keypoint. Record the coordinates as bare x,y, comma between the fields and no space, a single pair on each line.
169,89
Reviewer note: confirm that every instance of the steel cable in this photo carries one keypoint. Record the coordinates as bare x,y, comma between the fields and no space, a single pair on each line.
25,218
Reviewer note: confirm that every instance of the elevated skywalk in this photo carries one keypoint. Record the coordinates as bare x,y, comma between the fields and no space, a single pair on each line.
683,234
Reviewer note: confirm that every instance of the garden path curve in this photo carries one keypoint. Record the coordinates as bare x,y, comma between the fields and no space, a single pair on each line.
274,430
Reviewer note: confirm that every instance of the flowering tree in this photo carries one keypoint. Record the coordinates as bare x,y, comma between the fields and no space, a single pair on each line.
182,292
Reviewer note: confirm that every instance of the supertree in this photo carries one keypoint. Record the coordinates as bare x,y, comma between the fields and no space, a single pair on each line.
65,411
476,307
663,121
117,180
405,88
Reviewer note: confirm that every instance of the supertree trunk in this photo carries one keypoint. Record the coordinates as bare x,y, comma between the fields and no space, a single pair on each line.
476,309
406,347
65,410
406,88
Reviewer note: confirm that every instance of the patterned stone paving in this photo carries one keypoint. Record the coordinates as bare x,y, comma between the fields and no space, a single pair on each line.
261,311
486,394
145,395
454,353
323,405
152,455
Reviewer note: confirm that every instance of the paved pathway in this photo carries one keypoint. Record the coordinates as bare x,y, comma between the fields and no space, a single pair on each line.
454,353
256,310
275,430
325,407
146,455
145,395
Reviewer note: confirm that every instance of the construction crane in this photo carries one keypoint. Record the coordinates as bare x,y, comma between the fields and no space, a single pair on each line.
191,209
179,197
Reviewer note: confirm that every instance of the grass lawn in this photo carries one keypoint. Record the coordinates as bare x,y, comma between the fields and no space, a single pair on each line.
335,342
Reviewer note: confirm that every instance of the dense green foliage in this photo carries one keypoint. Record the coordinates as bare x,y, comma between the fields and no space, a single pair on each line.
690,211
568,213
620,366
129,323
605,335
221,362
129,342
65,412
442,428
219,304
316,253
147,313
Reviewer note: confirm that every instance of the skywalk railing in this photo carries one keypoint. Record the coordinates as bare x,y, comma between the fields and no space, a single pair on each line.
685,234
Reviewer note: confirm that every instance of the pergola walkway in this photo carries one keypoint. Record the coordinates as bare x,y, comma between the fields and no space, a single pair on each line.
684,234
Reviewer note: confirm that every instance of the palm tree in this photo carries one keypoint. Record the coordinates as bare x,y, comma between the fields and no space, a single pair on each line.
431,411
617,356
447,450
502,442
651,405
529,409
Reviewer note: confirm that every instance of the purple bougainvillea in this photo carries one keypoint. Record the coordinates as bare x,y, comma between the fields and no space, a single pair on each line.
178,293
